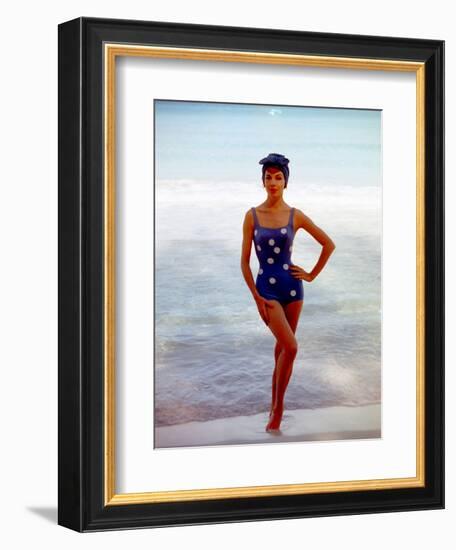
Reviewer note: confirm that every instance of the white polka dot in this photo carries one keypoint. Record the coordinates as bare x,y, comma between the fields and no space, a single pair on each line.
258,247
272,280
283,230
285,266
270,260
255,232
293,292
276,249
271,242
260,271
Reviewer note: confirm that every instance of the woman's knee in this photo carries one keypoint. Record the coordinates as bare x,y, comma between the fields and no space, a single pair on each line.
290,347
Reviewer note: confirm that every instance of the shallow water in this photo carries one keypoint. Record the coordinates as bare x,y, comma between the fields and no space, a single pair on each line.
213,353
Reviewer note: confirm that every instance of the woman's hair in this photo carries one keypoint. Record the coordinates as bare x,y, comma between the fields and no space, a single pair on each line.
278,161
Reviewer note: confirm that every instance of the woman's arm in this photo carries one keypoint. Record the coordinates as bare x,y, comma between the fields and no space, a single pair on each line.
247,232
247,235
318,234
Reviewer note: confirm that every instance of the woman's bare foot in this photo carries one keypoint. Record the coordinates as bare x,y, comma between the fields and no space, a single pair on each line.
275,418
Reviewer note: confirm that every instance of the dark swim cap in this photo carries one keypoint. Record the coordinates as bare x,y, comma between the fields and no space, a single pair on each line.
278,161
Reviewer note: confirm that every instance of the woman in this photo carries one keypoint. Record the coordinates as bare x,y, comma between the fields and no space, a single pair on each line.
278,290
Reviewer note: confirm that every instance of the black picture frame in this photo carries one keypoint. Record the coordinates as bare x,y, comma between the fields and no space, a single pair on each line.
81,475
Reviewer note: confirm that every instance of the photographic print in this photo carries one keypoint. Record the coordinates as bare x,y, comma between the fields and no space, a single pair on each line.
267,273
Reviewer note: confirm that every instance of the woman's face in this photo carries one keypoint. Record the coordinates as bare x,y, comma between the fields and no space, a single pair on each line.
274,181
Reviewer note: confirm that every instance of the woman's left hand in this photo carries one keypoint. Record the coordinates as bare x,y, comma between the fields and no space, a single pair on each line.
299,273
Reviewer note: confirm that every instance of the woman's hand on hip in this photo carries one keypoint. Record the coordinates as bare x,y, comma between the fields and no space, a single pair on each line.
263,305
300,273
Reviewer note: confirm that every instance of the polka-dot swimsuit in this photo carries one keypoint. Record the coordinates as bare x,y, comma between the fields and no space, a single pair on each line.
273,249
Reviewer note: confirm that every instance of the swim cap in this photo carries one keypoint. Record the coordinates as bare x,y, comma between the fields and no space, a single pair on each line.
277,160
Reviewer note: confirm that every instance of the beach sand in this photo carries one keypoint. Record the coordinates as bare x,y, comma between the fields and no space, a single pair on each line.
325,424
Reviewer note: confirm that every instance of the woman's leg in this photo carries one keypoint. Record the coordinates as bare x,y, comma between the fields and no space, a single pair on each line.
292,313
277,350
281,329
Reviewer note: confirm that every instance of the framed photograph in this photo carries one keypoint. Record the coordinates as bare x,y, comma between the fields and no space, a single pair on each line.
251,274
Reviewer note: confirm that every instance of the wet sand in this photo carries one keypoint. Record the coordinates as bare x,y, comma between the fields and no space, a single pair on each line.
324,424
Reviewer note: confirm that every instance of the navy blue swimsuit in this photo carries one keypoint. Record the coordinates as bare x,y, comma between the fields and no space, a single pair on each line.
273,249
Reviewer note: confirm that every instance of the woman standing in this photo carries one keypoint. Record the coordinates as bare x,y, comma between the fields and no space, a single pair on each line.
278,290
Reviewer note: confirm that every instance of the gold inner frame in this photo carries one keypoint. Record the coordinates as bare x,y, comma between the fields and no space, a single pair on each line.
111,52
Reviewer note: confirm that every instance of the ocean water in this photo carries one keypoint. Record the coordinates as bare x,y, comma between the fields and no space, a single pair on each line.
213,353
224,142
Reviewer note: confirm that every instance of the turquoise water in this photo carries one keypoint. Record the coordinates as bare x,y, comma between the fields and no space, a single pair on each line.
224,142
213,353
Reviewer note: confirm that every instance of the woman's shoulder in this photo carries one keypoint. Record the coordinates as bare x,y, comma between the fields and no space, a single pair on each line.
302,219
248,216
300,213
297,213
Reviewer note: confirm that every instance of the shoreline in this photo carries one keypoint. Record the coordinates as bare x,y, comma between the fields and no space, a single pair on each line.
324,424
